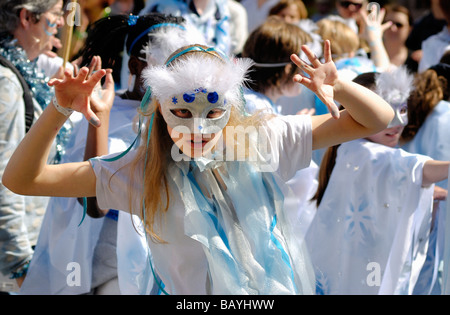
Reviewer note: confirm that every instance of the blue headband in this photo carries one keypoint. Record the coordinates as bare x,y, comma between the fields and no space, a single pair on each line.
193,48
151,29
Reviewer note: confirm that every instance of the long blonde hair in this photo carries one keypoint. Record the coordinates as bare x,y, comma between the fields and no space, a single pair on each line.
155,196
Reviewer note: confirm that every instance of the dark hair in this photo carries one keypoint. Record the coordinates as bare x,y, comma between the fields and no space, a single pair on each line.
273,42
445,7
109,36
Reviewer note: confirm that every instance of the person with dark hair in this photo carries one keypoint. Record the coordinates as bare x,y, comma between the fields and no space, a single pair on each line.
27,29
271,74
372,227
395,36
425,26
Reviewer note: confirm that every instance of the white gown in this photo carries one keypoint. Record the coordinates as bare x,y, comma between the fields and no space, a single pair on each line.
238,240
432,140
370,233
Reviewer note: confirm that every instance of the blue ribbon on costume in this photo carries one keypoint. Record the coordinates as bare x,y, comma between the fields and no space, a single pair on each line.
284,255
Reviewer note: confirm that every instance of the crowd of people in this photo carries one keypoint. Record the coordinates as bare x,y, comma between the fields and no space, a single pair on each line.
224,147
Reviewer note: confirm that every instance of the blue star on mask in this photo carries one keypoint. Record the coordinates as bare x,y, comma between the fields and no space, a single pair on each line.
175,100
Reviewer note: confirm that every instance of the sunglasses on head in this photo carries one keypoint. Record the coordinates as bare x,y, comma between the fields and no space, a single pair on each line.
347,4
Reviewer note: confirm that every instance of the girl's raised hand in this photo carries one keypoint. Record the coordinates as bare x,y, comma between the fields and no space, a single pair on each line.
74,91
321,76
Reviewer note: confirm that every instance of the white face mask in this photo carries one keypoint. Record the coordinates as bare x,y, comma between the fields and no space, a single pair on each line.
201,111
401,115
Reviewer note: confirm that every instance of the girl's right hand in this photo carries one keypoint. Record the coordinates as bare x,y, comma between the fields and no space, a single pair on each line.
74,91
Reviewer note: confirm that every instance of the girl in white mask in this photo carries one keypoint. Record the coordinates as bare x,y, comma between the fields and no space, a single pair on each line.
372,228
207,179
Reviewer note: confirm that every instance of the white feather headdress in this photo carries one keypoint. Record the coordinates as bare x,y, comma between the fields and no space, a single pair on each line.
198,70
395,86
166,40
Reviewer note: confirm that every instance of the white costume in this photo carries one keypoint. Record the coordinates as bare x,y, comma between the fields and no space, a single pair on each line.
304,183
434,48
370,234
431,140
240,240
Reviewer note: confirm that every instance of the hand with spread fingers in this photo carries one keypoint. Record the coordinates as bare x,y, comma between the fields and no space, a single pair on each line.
74,91
321,77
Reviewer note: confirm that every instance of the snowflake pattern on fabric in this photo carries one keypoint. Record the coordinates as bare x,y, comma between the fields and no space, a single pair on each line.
359,223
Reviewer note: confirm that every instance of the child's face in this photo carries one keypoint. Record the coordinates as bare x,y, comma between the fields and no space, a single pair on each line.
391,135
388,137
290,14
194,145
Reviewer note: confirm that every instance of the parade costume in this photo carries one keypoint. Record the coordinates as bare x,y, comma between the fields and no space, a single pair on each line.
428,141
370,234
227,229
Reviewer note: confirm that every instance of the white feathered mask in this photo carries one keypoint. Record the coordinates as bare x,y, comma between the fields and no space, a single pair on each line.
395,87
198,80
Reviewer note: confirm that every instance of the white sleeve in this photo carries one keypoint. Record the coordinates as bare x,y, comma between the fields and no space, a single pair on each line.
290,146
114,189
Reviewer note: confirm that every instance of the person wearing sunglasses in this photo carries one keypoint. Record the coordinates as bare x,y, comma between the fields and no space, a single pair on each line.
349,11
396,35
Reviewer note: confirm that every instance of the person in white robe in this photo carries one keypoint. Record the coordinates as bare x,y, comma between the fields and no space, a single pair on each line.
371,231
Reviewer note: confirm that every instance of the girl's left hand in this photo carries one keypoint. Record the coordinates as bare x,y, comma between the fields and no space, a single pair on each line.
321,76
